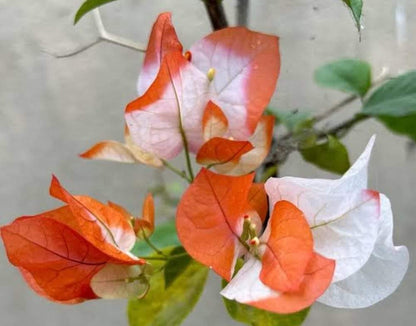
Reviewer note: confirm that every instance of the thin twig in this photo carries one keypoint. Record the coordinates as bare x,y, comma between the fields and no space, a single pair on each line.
242,12
150,244
105,36
81,49
341,129
289,143
175,170
335,108
380,79
216,14
115,39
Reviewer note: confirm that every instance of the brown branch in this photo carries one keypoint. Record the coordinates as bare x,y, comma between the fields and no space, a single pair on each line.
216,14
242,12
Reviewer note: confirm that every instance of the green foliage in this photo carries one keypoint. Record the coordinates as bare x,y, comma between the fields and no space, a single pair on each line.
164,236
176,265
257,317
87,6
348,75
356,7
403,125
394,104
331,155
294,121
395,98
168,306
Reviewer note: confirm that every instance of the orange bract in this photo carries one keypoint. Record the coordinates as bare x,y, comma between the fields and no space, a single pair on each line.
288,249
214,122
163,40
210,217
59,251
317,278
221,150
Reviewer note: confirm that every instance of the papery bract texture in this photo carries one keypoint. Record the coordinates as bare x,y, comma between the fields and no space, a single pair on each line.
246,65
286,275
348,224
247,162
127,152
58,252
162,40
210,218
178,108
171,110
381,274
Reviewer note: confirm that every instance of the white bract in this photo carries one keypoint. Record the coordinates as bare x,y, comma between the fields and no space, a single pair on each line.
353,226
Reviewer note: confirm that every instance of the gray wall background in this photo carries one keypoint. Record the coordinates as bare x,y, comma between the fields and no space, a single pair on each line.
52,109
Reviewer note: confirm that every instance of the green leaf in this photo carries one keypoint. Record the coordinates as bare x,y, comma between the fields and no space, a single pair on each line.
168,306
395,98
331,155
294,121
348,75
394,104
87,6
257,317
176,265
356,7
164,236
401,125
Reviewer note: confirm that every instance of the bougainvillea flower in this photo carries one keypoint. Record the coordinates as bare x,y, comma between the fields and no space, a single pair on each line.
60,251
128,152
145,225
353,226
217,223
168,116
162,40
229,156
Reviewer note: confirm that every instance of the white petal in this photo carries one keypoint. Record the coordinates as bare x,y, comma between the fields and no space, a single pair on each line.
177,97
246,285
344,227
241,59
357,175
354,179
379,277
119,281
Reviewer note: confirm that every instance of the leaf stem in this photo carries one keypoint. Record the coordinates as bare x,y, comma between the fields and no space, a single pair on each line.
164,258
151,245
319,117
175,170
187,156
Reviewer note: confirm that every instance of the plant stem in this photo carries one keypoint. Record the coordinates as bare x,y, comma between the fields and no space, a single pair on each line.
342,129
242,12
188,159
165,257
175,170
216,14
151,245
335,108
289,143
319,117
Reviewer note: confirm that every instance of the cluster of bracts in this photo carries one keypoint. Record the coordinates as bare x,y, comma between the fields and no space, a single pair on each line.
295,240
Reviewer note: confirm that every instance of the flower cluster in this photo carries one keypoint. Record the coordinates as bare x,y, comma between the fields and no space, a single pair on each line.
68,254
295,241
329,240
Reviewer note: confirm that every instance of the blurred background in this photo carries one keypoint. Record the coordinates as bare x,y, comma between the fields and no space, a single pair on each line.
53,109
